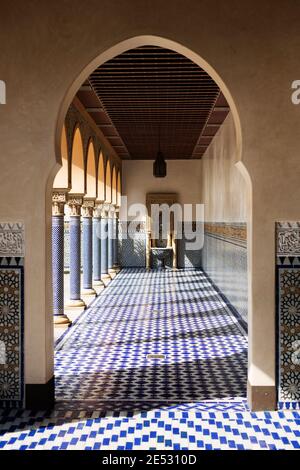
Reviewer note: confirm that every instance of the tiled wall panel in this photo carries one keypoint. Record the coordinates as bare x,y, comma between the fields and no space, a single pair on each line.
132,244
11,315
224,259
288,312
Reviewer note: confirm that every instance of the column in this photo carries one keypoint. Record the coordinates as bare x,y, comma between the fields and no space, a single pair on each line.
87,245
75,300
97,282
58,205
104,245
116,240
110,230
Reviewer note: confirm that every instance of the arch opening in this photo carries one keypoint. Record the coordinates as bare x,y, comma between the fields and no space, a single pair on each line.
103,177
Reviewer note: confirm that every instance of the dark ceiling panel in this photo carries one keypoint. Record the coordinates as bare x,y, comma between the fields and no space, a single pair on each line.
150,94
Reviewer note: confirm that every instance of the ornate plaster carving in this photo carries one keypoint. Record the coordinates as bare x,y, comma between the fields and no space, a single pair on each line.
59,199
75,203
288,241
12,239
88,207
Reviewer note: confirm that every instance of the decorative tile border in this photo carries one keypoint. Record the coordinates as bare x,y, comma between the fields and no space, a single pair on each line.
12,252
288,312
235,232
11,335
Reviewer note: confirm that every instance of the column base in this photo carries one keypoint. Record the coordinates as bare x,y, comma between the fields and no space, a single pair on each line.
106,279
112,273
89,291
62,321
76,304
98,283
117,268
262,398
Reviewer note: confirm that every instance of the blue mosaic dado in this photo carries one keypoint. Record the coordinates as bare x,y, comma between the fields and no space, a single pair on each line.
224,259
288,312
11,315
132,244
190,256
133,249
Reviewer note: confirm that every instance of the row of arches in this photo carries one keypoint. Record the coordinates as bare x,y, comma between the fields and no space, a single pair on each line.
91,173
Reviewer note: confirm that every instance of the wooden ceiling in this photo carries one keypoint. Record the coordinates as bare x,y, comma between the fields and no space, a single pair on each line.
149,95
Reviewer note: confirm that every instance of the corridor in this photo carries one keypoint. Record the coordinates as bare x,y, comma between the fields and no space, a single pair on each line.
162,336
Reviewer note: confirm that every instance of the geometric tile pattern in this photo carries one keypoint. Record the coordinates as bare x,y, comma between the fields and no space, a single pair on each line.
157,429
58,264
225,262
132,244
288,311
190,258
133,240
11,333
197,345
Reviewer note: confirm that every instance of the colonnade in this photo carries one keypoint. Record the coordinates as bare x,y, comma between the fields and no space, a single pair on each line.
87,189
99,242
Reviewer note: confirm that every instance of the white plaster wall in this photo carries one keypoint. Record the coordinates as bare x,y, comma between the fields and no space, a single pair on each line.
183,177
224,188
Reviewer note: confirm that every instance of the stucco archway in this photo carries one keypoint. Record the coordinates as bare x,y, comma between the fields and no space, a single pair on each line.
163,42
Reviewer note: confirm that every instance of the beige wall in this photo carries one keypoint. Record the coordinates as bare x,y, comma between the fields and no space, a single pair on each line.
183,177
224,187
251,48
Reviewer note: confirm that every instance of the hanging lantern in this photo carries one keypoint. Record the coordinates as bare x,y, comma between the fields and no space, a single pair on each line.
159,166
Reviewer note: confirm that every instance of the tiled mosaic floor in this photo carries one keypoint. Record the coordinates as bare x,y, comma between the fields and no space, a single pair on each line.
155,429
178,314
181,315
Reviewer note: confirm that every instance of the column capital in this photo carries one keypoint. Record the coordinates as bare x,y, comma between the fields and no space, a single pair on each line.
88,207
59,198
75,202
111,210
105,210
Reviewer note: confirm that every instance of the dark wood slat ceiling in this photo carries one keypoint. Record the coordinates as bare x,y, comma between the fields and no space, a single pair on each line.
149,94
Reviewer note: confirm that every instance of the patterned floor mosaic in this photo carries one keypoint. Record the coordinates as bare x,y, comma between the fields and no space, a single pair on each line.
178,314
158,335
155,429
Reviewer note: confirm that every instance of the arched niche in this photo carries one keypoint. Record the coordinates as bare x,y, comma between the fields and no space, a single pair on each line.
91,171
114,186
77,164
101,178
119,188
61,180
108,182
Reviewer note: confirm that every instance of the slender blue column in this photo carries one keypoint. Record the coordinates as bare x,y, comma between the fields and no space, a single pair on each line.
110,243
97,249
116,242
87,241
58,260
75,261
104,248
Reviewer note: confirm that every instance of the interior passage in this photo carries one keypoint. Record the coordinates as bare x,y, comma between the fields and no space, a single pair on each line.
154,335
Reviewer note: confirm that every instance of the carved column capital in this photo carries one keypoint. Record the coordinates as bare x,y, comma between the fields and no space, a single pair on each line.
111,211
88,207
75,203
97,210
105,210
59,199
